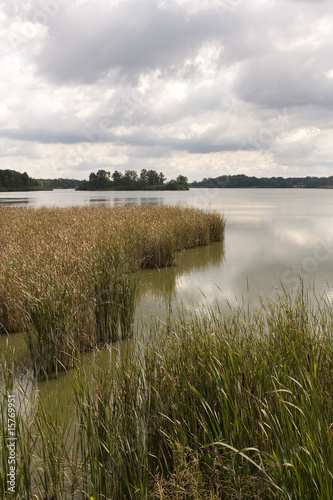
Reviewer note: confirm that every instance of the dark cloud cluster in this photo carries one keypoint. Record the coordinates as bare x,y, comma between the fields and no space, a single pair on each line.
130,38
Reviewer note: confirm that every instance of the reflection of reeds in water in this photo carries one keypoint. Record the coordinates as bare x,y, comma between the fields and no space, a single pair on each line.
66,273
160,283
221,406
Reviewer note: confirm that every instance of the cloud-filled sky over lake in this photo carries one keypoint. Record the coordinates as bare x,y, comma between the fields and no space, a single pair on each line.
195,87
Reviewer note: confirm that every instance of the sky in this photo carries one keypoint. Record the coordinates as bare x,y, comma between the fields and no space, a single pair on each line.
200,88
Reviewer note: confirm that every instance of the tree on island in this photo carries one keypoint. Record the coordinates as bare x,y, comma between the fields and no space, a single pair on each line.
130,180
151,178
100,180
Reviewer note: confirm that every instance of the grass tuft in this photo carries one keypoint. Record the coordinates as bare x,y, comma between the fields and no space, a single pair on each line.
220,405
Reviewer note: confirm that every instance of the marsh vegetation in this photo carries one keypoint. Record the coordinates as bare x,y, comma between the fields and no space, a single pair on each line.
218,405
67,276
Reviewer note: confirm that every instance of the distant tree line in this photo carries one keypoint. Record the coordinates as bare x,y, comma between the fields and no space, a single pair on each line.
10,180
243,181
131,180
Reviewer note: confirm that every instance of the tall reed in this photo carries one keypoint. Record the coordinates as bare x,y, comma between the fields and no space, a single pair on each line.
220,405
225,406
66,274
114,289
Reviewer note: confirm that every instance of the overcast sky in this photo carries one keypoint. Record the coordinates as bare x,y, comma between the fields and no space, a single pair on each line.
194,87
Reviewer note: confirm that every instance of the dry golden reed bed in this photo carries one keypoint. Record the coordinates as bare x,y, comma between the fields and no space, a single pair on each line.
66,273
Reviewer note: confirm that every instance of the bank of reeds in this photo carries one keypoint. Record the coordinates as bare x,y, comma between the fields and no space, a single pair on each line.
223,405
66,274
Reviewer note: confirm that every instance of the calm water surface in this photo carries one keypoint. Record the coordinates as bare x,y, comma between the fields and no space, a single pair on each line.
272,238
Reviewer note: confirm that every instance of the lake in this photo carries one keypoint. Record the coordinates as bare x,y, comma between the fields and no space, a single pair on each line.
273,237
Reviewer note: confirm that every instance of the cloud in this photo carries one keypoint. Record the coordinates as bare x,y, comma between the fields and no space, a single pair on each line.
87,44
43,136
184,85
280,79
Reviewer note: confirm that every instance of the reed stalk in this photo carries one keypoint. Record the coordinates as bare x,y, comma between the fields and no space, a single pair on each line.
66,274
218,405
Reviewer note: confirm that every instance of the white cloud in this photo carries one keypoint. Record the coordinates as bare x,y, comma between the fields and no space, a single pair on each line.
182,86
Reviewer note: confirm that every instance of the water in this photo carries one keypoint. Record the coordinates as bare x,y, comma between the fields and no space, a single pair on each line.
272,237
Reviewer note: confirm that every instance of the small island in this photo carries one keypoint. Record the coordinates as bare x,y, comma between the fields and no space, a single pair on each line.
148,180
